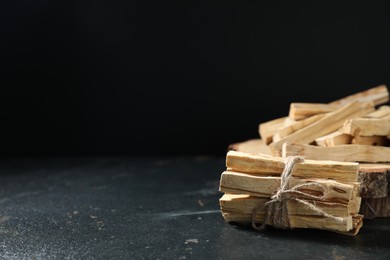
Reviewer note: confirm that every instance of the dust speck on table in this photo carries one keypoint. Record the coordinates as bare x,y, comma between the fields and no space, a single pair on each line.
4,219
191,240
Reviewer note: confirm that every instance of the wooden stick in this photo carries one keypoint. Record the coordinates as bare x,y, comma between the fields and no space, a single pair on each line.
333,139
342,153
299,111
378,95
367,126
254,146
268,129
238,208
273,166
331,122
354,204
260,186
382,111
288,121
292,128
245,204
371,140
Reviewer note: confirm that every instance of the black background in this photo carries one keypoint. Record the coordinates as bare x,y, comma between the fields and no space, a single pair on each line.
175,77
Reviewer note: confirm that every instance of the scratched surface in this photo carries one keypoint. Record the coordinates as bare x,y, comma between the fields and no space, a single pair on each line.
139,208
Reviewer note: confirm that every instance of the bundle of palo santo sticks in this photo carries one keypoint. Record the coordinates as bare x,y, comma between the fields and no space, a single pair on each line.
344,150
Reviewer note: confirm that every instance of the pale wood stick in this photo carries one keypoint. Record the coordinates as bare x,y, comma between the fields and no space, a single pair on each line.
268,165
378,95
342,153
245,204
254,146
331,122
357,222
238,208
288,121
333,139
354,205
373,178
299,111
292,128
261,186
366,126
268,129
382,111
371,140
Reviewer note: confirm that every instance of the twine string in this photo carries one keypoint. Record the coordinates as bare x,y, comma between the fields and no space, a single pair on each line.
276,210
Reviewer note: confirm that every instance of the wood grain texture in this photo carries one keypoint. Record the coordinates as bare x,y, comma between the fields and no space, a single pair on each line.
367,126
266,186
238,208
374,178
375,207
342,153
293,127
333,139
273,166
299,111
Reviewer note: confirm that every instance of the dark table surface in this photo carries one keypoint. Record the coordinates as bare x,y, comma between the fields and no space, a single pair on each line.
147,208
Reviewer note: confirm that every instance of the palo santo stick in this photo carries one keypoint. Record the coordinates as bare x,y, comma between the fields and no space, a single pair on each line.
371,140
333,139
254,146
300,111
373,178
325,125
354,205
288,121
378,95
367,126
382,111
238,208
342,153
273,166
260,186
245,204
357,222
268,129
292,128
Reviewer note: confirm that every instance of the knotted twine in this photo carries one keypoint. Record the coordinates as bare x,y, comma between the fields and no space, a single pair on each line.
276,210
